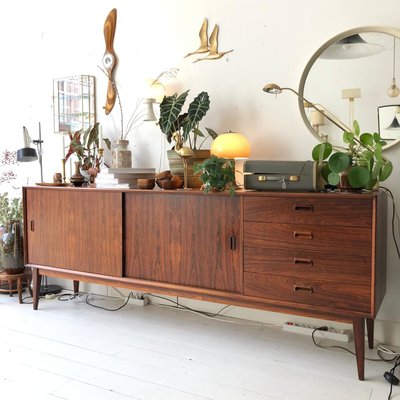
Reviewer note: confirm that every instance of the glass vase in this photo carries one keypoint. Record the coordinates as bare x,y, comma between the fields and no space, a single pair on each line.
121,155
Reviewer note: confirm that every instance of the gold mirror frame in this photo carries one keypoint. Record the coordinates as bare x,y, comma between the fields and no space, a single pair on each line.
366,29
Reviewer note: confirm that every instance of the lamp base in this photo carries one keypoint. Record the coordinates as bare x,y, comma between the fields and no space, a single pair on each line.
50,289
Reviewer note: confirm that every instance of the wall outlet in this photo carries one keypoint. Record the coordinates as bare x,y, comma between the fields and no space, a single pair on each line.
139,302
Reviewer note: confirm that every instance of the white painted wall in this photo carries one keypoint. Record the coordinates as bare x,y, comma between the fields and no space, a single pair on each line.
272,42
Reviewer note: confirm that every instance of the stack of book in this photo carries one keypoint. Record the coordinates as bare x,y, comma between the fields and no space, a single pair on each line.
122,177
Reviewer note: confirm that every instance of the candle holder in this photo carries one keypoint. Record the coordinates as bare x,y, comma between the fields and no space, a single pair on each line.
185,153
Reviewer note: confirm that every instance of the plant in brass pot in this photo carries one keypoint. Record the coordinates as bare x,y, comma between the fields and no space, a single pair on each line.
217,174
359,165
182,129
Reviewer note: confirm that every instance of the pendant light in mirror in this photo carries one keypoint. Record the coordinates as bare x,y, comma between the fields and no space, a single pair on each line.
393,90
353,46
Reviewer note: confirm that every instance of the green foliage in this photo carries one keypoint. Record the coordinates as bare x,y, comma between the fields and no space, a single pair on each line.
362,159
216,173
85,145
10,209
183,128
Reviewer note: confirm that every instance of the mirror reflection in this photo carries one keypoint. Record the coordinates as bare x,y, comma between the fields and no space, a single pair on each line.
350,77
74,103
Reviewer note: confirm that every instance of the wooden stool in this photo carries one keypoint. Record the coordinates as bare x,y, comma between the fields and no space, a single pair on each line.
24,277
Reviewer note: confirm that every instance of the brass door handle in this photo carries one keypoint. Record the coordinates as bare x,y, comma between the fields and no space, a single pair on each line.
303,234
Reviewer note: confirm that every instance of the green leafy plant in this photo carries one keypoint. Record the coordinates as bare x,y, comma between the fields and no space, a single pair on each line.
216,174
85,145
11,243
361,159
10,209
183,128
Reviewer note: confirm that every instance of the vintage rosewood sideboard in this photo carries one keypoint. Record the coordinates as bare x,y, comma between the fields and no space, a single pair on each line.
320,255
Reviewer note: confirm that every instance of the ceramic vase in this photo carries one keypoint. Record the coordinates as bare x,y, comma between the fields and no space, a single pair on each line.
121,155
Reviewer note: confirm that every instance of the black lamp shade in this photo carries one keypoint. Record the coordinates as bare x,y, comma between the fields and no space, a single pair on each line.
26,154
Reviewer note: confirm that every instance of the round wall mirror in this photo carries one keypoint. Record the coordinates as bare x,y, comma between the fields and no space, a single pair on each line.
353,76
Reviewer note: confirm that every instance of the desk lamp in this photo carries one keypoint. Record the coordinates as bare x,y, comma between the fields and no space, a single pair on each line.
273,88
27,154
231,145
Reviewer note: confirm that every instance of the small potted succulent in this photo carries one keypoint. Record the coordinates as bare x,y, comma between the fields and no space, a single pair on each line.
217,174
359,165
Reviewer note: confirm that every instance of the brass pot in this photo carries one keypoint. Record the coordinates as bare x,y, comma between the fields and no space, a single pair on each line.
176,166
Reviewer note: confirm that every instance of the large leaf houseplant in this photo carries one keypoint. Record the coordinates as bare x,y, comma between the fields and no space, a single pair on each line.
182,129
359,164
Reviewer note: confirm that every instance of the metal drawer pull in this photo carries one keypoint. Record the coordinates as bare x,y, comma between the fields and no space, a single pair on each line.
303,261
306,234
303,289
232,242
32,225
303,207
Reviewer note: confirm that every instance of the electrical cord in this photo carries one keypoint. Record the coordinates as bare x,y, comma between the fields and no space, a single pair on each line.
325,328
394,214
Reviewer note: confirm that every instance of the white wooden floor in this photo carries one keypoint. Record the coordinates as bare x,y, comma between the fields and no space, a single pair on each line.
69,350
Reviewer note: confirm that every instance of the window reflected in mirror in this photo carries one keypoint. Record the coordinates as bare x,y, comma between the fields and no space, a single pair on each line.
74,103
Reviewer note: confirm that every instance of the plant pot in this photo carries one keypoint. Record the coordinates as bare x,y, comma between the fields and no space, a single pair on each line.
11,248
121,155
176,166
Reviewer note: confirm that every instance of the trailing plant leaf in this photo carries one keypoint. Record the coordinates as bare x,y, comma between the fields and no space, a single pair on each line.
358,177
386,171
333,178
339,162
321,152
367,139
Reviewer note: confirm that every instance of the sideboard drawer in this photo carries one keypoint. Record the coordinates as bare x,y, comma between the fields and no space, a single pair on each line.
346,296
310,210
351,241
309,265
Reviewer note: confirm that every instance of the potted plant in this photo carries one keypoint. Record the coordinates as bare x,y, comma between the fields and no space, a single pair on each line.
85,144
216,174
182,128
11,243
359,165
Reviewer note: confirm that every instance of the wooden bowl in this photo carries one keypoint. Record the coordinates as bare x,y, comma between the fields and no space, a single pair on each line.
146,183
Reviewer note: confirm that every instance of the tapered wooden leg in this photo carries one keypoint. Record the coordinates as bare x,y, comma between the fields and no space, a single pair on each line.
19,289
76,286
370,332
37,281
359,332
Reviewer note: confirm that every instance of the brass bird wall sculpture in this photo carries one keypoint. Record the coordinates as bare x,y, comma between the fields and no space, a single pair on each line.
203,40
208,46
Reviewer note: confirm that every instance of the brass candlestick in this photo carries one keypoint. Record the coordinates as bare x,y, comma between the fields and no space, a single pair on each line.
63,170
185,153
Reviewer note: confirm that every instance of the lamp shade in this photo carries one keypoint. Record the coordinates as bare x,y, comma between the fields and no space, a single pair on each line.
27,154
231,145
353,46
